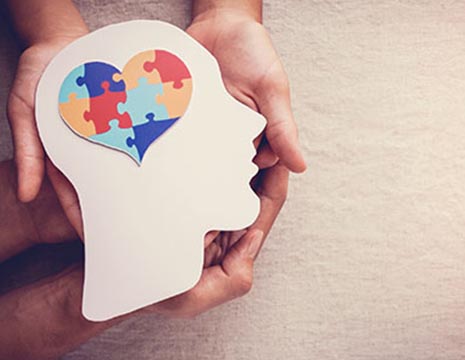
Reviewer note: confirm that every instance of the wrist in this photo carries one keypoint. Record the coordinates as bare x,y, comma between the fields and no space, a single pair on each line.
244,10
44,319
207,26
39,21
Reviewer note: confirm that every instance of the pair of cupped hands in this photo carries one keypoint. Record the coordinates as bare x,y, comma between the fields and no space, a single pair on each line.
253,74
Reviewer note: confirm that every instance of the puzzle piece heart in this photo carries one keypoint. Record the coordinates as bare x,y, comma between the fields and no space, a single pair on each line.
126,110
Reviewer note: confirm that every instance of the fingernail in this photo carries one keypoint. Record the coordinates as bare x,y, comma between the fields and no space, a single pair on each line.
210,236
255,244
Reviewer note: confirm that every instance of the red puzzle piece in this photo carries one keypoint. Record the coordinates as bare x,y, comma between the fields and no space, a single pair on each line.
170,68
103,109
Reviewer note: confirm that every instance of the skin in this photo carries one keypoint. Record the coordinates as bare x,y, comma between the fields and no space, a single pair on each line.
256,78
43,320
44,28
23,225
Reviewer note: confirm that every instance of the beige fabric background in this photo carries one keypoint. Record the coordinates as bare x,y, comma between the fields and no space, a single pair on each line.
367,260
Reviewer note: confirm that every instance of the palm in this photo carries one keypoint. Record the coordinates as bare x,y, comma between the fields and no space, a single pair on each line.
244,52
254,75
248,65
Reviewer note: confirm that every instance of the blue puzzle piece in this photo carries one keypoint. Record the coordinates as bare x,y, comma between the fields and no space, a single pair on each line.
147,133
142,100
117,139
95,73
70,86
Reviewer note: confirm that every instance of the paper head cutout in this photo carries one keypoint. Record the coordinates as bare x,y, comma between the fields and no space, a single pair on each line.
144,223
126,110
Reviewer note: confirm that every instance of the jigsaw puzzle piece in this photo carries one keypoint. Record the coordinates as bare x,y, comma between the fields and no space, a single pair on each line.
73,111
176,100
95,73
170,68
103,109
148,132
142,100
134,70
70,86
116,138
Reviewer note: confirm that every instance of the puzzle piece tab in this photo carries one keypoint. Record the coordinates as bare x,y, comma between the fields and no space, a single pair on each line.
134,70
141,101
95,73
176,100
73,111
103,109
70,86
147,133
170,68
116,138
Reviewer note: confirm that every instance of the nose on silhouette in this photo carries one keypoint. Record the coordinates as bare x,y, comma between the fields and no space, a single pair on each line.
251,121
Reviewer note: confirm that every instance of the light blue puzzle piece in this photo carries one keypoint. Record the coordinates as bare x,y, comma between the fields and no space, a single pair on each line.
116,138
142,101
70,86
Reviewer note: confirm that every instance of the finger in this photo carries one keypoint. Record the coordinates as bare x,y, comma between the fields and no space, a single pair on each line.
67,197
273,99
217,249
233,277
29,154
258,140
271,187
218,284
210,237
211,255
265,157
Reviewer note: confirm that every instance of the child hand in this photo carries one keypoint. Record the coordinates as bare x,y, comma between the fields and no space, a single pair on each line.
29,153
253,74
45,27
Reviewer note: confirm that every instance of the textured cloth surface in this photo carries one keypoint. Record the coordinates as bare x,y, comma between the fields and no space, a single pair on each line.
367,260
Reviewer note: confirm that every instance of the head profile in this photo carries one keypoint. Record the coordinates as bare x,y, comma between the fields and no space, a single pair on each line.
169,160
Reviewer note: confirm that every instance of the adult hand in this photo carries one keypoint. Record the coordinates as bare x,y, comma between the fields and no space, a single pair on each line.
25,225
229,258
43,320
252,72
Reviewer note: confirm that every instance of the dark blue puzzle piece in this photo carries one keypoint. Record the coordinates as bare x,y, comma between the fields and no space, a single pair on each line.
97,72
147,133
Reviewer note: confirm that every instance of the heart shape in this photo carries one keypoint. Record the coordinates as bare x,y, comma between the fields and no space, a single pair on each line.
126,110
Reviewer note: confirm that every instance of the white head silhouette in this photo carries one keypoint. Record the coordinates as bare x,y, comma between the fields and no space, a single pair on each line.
144,225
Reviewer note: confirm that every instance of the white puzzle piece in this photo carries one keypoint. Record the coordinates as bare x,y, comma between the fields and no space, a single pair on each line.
149,194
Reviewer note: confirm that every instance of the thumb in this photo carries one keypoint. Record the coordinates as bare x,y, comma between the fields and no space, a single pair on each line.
274,102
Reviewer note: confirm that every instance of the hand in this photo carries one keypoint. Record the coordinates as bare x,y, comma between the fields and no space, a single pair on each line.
256,78
29,153
229,258
43,320
253,74
24,225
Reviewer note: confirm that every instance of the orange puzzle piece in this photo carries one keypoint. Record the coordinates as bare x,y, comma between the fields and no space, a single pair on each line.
176,100
73,113
134,69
